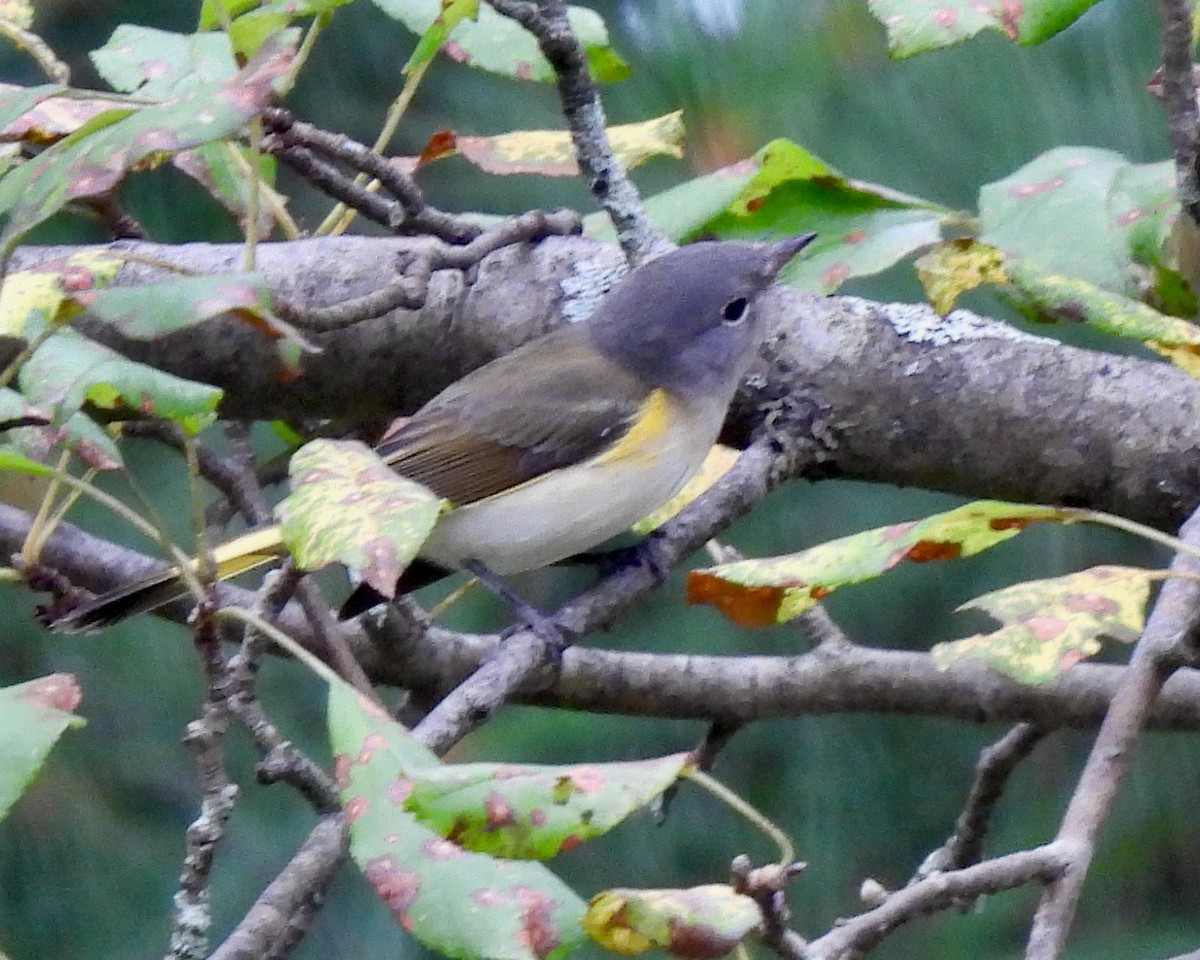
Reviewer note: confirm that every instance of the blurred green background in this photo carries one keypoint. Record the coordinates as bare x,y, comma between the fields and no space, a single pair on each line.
90,856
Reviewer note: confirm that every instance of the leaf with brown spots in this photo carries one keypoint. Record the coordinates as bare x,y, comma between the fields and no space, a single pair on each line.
154,310
551,153
773,590
161,65
33,716
529,811
1050,625
697,923
93,159
862,228
347,506
495,43
919,27
68,370
1084,213
455,901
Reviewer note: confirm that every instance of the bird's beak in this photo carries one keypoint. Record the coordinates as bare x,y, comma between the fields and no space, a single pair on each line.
780,253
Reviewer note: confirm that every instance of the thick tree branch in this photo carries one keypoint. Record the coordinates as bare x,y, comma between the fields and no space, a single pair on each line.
830,679
894,393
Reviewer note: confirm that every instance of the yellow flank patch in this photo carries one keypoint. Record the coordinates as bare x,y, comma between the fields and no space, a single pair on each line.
643,440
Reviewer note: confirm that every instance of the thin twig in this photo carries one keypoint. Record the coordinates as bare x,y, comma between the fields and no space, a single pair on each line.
340,218
856,936
996,764
299,144
192,918
1179,99
282,912
410,290
605,174
205,737
1168,641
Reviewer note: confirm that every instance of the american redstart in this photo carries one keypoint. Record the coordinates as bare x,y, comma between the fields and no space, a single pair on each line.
567,441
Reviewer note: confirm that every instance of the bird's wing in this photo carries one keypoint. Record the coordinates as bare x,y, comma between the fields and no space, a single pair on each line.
513,420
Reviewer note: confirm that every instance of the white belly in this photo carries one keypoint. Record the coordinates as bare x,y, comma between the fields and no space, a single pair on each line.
571,510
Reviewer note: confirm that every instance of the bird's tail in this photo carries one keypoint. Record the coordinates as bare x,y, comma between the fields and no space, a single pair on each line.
255,548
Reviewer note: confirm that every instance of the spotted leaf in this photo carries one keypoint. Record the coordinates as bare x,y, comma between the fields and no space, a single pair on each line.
761,592
459,903
1083,212
1051,625
918,26
347,506
96,156
532,811
68,370
697,923
861,228
33,716
499,45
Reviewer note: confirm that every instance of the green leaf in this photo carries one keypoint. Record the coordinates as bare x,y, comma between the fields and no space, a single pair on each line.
214,12
1077,301
698,923
439,31
37,441
161,65
683,210
1051,625
97,156
861,228
17,462
33,716
459,903
762,592
1082,212
527,811
347,506
963,264
917,26
69,370
157,309
212,165
499,45
13,406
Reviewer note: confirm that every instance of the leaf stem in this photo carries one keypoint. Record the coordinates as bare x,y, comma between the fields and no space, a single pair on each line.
1139,529
787,853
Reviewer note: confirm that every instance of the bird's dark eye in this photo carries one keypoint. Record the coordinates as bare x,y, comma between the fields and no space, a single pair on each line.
735,311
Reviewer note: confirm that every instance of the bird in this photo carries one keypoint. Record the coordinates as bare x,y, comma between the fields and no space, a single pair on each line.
556,447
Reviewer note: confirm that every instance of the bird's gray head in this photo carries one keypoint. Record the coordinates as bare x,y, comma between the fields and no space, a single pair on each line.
686,321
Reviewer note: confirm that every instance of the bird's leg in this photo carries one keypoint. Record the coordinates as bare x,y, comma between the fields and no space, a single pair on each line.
644,553
543,626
